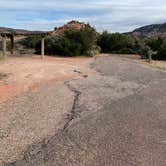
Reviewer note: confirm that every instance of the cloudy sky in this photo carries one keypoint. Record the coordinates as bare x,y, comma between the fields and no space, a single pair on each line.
111,15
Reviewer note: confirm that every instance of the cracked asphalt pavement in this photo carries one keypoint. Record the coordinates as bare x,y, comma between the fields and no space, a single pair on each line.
117,118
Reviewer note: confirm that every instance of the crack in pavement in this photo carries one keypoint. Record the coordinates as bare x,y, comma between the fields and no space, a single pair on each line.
77,94
41,147
73,113
115,135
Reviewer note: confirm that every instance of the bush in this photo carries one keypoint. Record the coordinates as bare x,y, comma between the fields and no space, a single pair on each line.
30,41
72,43
140,48
123,44
154,44
126,51
159,48
115,43
161,53
104,41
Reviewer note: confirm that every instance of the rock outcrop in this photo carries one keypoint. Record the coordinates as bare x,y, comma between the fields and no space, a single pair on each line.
76,25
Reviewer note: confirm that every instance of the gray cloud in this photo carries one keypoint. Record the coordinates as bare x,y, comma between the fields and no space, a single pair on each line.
112,15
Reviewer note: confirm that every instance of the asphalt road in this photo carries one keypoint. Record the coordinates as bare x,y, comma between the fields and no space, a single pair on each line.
118,118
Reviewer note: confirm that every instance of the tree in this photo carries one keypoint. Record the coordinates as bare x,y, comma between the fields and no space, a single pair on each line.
154,44
140,48
72,43
159,47
104,41
115,43
161,53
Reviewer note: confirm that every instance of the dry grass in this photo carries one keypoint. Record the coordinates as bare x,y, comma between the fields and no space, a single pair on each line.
157,64
129,56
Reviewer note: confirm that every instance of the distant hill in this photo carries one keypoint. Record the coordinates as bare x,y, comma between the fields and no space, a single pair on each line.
150,31
19,31
57,31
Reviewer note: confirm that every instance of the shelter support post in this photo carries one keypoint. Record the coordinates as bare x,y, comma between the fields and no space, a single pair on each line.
12,44
42,47
4,46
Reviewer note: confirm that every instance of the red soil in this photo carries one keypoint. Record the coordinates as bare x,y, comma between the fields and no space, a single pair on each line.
27,73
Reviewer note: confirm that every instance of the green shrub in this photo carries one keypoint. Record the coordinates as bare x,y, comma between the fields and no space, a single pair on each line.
30,41
159,48
115,43
72,43
154,44
123,44
161,53
126,51
140,48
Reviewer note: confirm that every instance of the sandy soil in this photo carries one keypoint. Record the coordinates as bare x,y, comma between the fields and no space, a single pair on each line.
156,64
25,73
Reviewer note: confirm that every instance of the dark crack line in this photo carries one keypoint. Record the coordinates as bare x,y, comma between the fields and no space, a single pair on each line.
42,145
73,113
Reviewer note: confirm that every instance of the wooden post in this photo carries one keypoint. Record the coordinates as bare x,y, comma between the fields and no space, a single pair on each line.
12,44
4,45
42,47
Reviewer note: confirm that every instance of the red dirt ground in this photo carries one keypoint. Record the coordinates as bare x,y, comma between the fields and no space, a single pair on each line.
26,73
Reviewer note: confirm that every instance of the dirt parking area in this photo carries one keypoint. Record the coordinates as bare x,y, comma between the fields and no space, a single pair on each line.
114,116
26,73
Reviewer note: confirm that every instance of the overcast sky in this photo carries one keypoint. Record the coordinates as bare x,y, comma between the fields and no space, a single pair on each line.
111,15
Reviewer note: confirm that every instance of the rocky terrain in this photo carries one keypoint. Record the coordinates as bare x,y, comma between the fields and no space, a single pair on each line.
70,25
